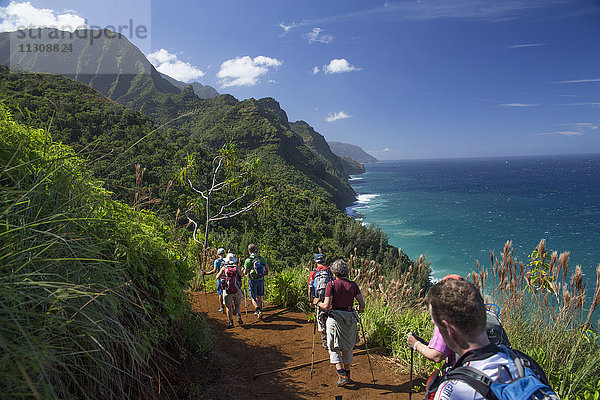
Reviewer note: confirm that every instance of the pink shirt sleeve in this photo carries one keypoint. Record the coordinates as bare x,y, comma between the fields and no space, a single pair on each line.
437,343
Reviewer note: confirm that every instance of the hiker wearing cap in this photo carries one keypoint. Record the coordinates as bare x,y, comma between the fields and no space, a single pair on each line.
217,268
341,325
317,282
457,309
231,283
436,350
256,268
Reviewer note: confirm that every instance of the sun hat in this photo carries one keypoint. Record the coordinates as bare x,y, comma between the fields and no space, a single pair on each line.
230,259
319,257
453,276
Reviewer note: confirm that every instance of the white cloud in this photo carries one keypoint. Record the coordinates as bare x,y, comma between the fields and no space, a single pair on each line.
580,81
339,65
315,70
387,149
161,56
520,46
518,105
316,35
564,133
578,129
338,115
286,28
168,64
24,15
586,125
245,71
478,10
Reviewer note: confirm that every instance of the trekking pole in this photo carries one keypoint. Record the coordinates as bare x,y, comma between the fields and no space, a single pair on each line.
412,353
203,282
312,361
246,298
410,385
366,347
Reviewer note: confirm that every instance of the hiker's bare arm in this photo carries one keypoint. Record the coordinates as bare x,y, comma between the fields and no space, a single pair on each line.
361,302
212,271
221,272
425,350
324,305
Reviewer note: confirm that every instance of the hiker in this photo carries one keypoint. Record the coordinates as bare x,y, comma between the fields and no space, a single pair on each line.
231,283
317,282
256,268
217,268
341,326
437,350
457,309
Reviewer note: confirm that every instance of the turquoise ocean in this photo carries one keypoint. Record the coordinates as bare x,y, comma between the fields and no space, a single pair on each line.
456,211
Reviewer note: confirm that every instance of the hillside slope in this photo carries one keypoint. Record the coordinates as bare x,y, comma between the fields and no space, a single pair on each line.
351,151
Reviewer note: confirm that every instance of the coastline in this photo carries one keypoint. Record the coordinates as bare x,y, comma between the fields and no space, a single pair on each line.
456,211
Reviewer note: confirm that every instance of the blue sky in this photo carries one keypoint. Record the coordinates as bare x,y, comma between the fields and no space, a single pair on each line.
401,79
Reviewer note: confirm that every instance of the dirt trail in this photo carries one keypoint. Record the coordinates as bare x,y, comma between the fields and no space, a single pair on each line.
281,339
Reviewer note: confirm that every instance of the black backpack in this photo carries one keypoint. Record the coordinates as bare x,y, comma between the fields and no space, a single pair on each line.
493,327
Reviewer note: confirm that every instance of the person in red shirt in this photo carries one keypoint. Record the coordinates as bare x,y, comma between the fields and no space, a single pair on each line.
317,283
341,326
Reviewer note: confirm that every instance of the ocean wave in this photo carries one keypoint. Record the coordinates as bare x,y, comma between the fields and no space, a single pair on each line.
365,198
413,233
355,179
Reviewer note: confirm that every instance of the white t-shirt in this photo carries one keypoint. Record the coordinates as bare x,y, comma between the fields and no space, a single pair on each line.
493,366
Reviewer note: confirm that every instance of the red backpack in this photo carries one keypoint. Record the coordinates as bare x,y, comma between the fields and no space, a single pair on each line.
231,282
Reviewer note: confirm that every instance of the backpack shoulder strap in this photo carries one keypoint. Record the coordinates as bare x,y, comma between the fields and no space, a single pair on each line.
522,361
474,378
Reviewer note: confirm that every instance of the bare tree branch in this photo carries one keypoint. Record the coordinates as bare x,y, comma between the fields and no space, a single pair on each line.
198,191
195,227
227,205
240,211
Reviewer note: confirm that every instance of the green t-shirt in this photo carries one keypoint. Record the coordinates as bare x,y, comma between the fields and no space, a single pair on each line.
249,265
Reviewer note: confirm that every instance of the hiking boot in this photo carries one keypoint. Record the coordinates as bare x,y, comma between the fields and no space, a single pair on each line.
221,310
342,380
259,314
239,319
230,324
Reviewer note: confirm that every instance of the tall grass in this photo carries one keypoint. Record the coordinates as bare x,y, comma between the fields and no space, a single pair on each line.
289,288
90,290
546,315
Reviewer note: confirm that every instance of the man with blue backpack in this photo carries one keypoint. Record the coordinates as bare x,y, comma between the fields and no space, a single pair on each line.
317,282
483,370
256,268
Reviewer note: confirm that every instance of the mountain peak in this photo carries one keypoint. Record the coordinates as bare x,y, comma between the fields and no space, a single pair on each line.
351,151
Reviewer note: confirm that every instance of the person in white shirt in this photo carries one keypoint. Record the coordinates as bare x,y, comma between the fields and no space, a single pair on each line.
457,309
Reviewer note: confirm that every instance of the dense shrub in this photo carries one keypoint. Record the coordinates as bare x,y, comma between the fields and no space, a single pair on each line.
90,289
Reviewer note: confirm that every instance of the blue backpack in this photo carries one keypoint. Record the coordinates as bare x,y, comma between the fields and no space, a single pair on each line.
258,269
529,381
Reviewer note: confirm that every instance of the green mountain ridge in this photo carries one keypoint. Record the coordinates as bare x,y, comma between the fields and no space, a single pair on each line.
154,125
351,151
202,91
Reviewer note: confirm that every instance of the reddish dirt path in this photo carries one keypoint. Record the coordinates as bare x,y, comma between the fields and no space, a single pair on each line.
283,338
